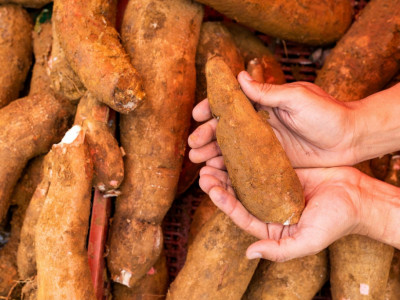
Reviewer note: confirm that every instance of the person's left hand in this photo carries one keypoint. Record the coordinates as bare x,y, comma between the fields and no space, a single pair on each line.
332,210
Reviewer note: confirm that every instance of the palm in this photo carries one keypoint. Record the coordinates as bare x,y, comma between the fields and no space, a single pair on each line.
329,214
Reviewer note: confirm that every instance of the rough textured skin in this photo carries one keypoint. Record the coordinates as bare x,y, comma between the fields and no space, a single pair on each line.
359,268
60,237
215,39
393,286
203,213
297,279
261,174
380,166
15,51
216,265
28,3
92,47
134,250
153,286
64,81
161,38
21,196
42,40
368,56
29,126
106,155
26,257
362,62
251,47
306,21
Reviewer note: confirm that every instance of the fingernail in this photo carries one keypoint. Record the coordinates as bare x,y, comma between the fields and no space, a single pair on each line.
253,255
247,76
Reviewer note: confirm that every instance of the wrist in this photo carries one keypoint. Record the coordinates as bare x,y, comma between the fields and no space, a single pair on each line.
358,131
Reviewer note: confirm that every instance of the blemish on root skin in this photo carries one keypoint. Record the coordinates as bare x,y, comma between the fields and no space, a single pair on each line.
364,289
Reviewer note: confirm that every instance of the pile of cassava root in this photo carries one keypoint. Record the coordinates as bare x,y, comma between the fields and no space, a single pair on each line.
65,69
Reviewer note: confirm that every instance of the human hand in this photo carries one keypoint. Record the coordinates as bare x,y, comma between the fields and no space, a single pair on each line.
315,129
333,210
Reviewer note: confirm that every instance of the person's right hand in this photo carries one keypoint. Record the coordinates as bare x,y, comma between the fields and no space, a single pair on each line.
315,129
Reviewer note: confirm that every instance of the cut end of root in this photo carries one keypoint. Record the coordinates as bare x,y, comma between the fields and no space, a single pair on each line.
128,94
71,135
124,278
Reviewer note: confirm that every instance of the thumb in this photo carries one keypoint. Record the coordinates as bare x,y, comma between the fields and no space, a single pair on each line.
283,250
265,93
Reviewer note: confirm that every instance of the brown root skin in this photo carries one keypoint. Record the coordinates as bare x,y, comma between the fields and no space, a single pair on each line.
393,286
15,51
214,39
42,41
21,196
142,244
360,274
216,266
64,81
29,126
161,38
26,258
153,286
104,149
60,237
306,22
28,3
367,56
92,47
258,167
299,278
203,213
252,47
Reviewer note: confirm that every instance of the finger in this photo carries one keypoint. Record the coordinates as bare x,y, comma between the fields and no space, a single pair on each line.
226,202
219,174
217,162
202,111
207,182
284,249
265,93
203,134
205,153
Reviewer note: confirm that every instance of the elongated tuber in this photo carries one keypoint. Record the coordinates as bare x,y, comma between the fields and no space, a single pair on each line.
93,116
161,39
258,167
92,47
216,266
15,51
307,21
60,237
299,279
21,196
